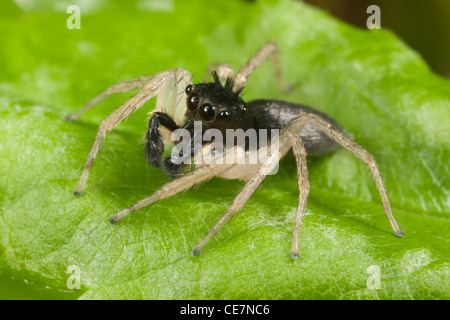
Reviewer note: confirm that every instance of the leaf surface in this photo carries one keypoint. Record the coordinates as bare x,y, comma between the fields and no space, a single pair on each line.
369,81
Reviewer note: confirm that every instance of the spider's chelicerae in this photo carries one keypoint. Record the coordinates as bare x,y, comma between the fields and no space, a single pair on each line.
218,105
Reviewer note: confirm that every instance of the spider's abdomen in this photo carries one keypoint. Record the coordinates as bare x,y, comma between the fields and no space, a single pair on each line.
275,114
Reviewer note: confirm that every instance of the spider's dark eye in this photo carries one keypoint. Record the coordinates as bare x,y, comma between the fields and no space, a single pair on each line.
224,115
189,88
207,112
193,102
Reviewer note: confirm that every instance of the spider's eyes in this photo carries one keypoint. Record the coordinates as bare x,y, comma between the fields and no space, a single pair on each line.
189,88
224,115
193,102
207,112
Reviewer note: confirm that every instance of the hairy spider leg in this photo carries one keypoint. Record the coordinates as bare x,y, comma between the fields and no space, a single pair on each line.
303,186
239,201
287,141
297,124
268,50
158,83
225,71
290,138
163,83
119,87
184,182
177,109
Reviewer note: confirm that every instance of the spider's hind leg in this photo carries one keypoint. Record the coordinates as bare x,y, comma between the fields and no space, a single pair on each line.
345,141
269,50
303,186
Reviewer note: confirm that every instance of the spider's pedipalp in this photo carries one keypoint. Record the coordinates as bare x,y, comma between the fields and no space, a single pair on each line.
160,126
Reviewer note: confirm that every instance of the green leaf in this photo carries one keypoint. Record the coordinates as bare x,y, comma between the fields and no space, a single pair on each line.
370,81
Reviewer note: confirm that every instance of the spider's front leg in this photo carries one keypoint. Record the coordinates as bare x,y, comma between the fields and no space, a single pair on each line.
166,84
122,86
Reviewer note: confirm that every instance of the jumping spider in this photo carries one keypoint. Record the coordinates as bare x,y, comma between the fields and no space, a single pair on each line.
219,105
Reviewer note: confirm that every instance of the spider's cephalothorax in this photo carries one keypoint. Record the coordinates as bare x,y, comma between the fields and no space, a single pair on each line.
214,104
218,105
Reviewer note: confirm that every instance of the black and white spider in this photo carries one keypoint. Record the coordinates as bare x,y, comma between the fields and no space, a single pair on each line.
219,105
